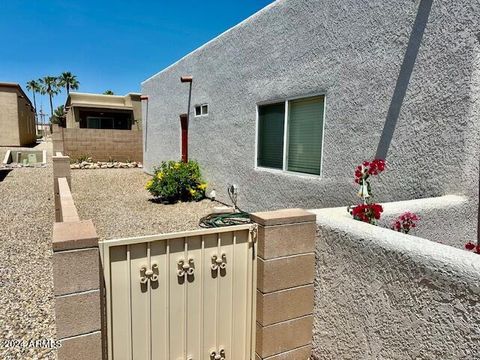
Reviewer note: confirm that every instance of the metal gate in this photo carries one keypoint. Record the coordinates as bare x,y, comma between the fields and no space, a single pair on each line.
181,296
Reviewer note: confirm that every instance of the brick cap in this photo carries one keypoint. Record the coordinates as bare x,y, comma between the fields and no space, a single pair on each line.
74,235
282,217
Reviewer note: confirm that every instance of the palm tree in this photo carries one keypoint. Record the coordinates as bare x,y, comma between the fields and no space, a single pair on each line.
34,87
68,81
49,86
108,92
59,116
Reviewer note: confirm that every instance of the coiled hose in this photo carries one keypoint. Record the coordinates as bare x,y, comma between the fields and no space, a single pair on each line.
238,217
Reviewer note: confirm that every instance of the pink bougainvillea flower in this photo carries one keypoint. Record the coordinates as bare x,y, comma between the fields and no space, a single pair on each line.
368,168
405,222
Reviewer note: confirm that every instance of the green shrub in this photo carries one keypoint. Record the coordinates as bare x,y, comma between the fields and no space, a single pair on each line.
174,181
81,159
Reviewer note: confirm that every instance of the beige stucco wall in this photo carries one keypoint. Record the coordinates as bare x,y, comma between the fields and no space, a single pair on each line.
137,111
380,294
26,122
71,115
8,117
17,121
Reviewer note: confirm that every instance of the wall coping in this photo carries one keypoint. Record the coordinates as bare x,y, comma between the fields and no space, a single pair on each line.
396,207
445,260
67,206
282,217
74,235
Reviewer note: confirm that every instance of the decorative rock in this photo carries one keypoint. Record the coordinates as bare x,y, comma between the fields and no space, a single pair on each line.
100,165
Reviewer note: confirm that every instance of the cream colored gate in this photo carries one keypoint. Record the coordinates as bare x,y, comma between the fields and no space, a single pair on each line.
181,296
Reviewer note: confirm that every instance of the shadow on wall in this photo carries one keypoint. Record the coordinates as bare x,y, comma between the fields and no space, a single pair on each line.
403,80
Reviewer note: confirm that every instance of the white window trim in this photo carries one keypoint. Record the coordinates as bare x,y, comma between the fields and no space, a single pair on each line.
284,170
201,107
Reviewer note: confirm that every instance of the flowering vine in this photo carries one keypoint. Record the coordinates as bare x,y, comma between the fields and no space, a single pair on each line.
405,222
472,247
368,212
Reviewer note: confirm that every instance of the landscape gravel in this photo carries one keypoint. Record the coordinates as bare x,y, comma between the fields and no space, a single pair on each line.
119,205
26,285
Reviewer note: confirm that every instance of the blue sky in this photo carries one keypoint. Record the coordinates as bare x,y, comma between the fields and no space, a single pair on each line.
107,44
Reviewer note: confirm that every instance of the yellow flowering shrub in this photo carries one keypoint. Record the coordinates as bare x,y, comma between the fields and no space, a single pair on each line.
176,180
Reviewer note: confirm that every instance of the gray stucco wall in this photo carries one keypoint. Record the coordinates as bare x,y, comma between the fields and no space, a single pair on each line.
353,52
380,294
446,219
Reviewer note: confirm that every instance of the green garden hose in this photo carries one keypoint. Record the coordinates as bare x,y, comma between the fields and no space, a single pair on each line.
215,220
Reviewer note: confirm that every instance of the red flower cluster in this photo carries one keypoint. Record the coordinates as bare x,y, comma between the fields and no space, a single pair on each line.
367,212
369,168
471,246
405,222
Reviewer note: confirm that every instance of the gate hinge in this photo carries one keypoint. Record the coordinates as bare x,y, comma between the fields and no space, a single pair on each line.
254,233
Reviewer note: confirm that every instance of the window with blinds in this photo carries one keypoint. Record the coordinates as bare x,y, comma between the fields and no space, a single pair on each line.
271,119
305,127
303,139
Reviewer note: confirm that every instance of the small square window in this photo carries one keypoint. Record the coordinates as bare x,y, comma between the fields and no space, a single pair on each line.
201,110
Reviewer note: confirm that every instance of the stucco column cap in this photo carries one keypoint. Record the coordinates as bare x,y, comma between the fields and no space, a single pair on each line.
282,217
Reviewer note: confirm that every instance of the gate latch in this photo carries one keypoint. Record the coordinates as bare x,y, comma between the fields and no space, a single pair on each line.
218,356
185,267
219,262
149,274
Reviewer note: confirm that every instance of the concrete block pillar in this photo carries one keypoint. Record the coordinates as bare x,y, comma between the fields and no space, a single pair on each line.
285,273
78,291
57,139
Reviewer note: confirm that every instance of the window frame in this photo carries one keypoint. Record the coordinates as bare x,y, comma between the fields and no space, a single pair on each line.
101,118
284,168
201,110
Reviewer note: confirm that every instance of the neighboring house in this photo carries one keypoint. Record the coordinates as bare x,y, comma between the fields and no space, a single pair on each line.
98,111
43,129
103,127
17,116
288,102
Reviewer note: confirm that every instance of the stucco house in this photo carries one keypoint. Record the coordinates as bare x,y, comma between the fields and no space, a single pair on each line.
17,116
103,127
99,111
289,101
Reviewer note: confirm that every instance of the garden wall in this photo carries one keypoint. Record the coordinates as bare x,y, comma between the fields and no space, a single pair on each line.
78,285
380,294
99,144
448,219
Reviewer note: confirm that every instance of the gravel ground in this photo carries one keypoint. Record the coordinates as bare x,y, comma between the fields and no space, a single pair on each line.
118,204
26,286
